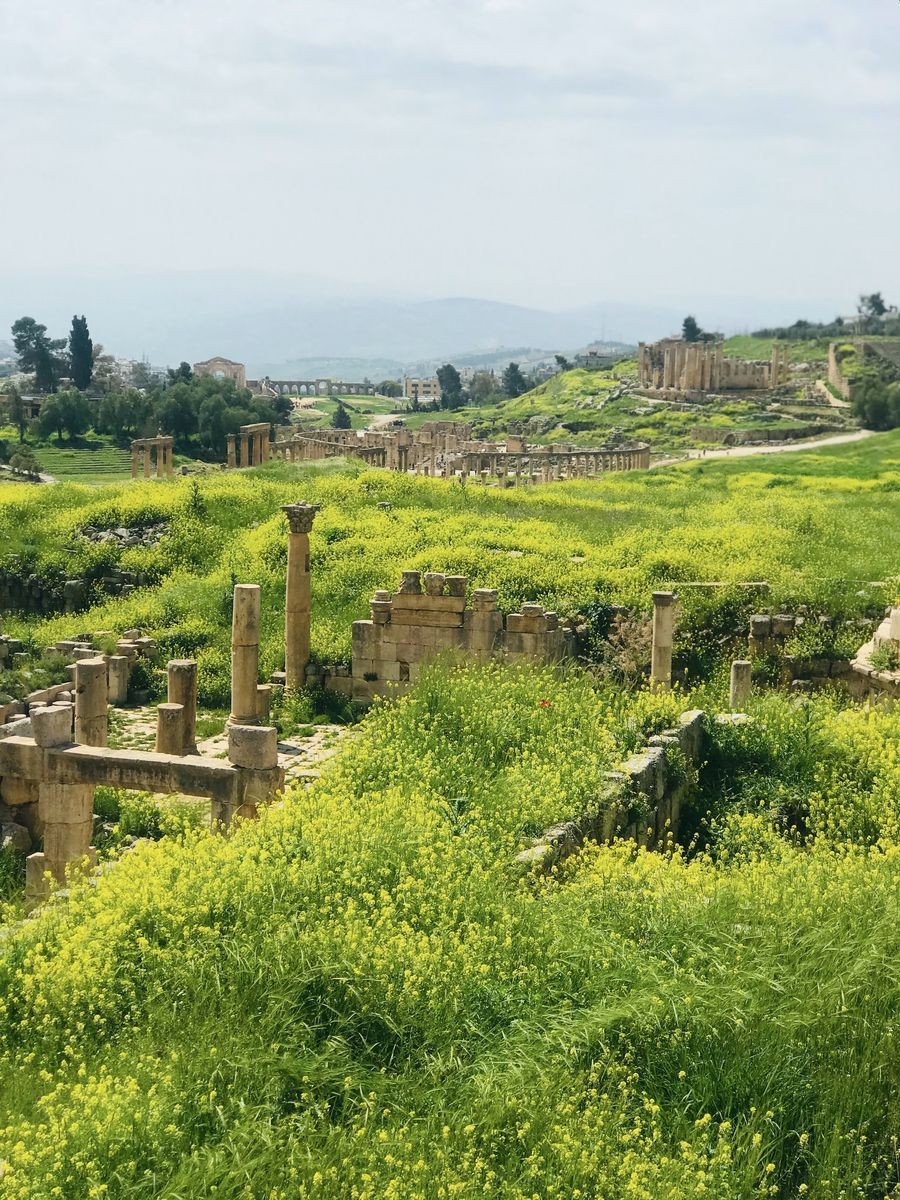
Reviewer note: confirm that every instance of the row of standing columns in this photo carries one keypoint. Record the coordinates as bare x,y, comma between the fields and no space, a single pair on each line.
249,448
163,447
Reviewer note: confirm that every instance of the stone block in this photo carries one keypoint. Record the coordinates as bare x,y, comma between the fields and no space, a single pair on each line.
365,638
411,583
760,626
16,792
423,617
15,836
253,746
783,625
690,732
647,772
65,805
457,585
427,603
52,725
484,599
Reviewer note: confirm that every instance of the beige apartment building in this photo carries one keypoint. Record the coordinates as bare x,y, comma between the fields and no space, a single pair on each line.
421,391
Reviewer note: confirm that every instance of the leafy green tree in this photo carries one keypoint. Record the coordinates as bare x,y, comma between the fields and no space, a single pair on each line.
81,354
15,410
124,413
514,382
872,306
67,411
390,388
451,386
690,330
341,418
562,362
38,354
183,373
483,385
24,462
175,411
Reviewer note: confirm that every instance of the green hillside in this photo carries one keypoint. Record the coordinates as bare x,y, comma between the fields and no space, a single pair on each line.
586,407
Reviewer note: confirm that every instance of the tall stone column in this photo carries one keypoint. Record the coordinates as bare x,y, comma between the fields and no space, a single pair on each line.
245,450
145,450
134,462
297,593
663,628
182,689
232,451
170,457
91,701
244,654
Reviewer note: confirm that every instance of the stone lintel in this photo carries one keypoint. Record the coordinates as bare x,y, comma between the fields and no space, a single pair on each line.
426,603
418,616
148,772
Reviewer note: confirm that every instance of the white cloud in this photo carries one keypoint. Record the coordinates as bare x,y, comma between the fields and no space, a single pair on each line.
533,149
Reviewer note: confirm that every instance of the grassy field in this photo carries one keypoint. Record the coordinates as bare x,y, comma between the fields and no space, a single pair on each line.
361,409
811,524
357,996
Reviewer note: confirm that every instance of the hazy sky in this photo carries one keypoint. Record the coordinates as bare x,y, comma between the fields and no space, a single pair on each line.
546,152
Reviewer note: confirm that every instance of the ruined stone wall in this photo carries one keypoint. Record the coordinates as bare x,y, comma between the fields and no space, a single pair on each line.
418,623
642,800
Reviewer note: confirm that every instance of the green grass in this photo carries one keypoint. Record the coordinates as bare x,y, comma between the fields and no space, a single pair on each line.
90,460
359,996
811,524
814,350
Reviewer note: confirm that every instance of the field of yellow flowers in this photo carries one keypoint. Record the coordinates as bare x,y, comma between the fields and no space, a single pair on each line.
359,996
818,527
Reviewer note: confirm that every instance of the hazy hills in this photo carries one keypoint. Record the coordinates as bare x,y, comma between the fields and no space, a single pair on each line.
271,322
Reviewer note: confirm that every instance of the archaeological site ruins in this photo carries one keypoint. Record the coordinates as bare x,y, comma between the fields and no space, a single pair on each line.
678,368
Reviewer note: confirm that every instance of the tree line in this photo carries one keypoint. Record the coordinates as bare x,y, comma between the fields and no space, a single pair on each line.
483,388
198,411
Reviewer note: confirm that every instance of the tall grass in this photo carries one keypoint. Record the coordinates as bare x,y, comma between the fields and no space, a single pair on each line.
358,996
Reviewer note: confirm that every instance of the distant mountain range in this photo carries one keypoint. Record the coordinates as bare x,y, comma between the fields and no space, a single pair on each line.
275,323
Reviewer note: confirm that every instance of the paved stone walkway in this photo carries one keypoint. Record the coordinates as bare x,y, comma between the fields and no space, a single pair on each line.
302,754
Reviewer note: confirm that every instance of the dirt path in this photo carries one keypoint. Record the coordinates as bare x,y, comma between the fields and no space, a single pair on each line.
836,439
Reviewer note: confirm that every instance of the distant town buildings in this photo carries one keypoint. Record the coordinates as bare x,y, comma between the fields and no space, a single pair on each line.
422,391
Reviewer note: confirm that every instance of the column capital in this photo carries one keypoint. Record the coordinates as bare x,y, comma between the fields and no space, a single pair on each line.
300,516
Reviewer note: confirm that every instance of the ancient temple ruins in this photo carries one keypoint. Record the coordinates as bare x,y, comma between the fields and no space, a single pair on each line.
682,368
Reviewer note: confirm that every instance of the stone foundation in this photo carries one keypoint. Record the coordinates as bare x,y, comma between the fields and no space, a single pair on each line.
642,800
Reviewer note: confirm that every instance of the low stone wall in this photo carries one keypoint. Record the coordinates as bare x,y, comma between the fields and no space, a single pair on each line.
868,681
772,633
642,800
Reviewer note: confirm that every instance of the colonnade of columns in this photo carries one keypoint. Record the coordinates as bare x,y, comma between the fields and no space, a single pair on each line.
249,447
164,448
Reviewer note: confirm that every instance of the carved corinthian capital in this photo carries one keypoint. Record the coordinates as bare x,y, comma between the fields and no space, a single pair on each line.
300,516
